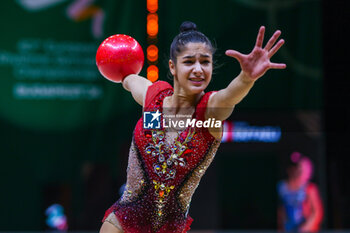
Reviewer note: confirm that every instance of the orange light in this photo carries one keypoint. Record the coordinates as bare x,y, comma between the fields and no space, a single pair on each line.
152,6
152,53
152,24
152,73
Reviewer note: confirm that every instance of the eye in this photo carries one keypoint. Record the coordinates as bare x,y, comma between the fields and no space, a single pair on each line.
205,62
188,62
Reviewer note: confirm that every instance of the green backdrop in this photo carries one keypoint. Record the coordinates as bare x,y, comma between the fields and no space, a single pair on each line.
58,115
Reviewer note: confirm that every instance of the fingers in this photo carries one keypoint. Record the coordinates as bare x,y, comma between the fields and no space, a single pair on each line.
235,54
276,48
272,40
277,66
260,37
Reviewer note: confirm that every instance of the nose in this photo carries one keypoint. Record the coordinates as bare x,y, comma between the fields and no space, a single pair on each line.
197,69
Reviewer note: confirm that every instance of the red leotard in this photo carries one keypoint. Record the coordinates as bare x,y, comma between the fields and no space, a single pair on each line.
162,176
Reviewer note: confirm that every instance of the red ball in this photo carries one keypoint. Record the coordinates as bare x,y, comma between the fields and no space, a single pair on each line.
118,56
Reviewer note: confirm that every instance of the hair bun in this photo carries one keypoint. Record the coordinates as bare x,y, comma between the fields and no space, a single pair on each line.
188,26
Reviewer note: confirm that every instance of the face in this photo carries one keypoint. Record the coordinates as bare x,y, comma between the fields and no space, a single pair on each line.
294,172
193,69
301,172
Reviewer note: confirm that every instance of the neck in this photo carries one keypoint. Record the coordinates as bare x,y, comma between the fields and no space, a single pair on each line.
295,184
182,101
183,98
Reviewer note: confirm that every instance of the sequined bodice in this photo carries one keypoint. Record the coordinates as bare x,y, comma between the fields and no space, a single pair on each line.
163,174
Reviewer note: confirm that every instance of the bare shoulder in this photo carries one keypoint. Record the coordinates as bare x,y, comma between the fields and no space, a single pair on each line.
211,113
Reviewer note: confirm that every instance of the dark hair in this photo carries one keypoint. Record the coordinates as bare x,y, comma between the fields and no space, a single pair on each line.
294,159
188,33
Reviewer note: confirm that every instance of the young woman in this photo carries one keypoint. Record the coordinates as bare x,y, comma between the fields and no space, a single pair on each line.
166,164
301,208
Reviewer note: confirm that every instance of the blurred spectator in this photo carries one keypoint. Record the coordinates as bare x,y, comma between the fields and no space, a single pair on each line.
301,208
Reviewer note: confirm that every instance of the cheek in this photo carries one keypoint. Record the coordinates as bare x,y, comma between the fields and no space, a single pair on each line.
183,71
208,71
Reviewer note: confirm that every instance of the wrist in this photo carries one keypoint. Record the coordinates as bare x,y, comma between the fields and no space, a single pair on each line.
245,78
125,81
127,77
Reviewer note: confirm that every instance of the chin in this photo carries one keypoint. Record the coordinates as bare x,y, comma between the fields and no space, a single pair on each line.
197,89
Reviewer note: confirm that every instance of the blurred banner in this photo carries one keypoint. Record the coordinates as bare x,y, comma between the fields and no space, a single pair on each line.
47,61
57,113
65,130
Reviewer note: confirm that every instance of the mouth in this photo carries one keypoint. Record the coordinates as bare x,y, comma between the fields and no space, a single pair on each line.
196,80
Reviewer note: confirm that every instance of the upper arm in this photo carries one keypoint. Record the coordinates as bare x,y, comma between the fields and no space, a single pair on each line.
138,86
218,107
315,198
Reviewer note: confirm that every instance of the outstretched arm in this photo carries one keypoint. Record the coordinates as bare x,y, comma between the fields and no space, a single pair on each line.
138,86
253,65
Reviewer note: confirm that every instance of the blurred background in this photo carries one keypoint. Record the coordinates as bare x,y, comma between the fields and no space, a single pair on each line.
65,130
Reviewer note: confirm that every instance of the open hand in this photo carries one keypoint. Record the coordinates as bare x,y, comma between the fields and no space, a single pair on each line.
257,62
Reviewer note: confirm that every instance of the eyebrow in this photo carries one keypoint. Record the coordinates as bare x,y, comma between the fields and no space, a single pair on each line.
192,56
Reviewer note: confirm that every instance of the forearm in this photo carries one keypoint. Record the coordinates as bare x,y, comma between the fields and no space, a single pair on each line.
222,103
237,89
137,85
